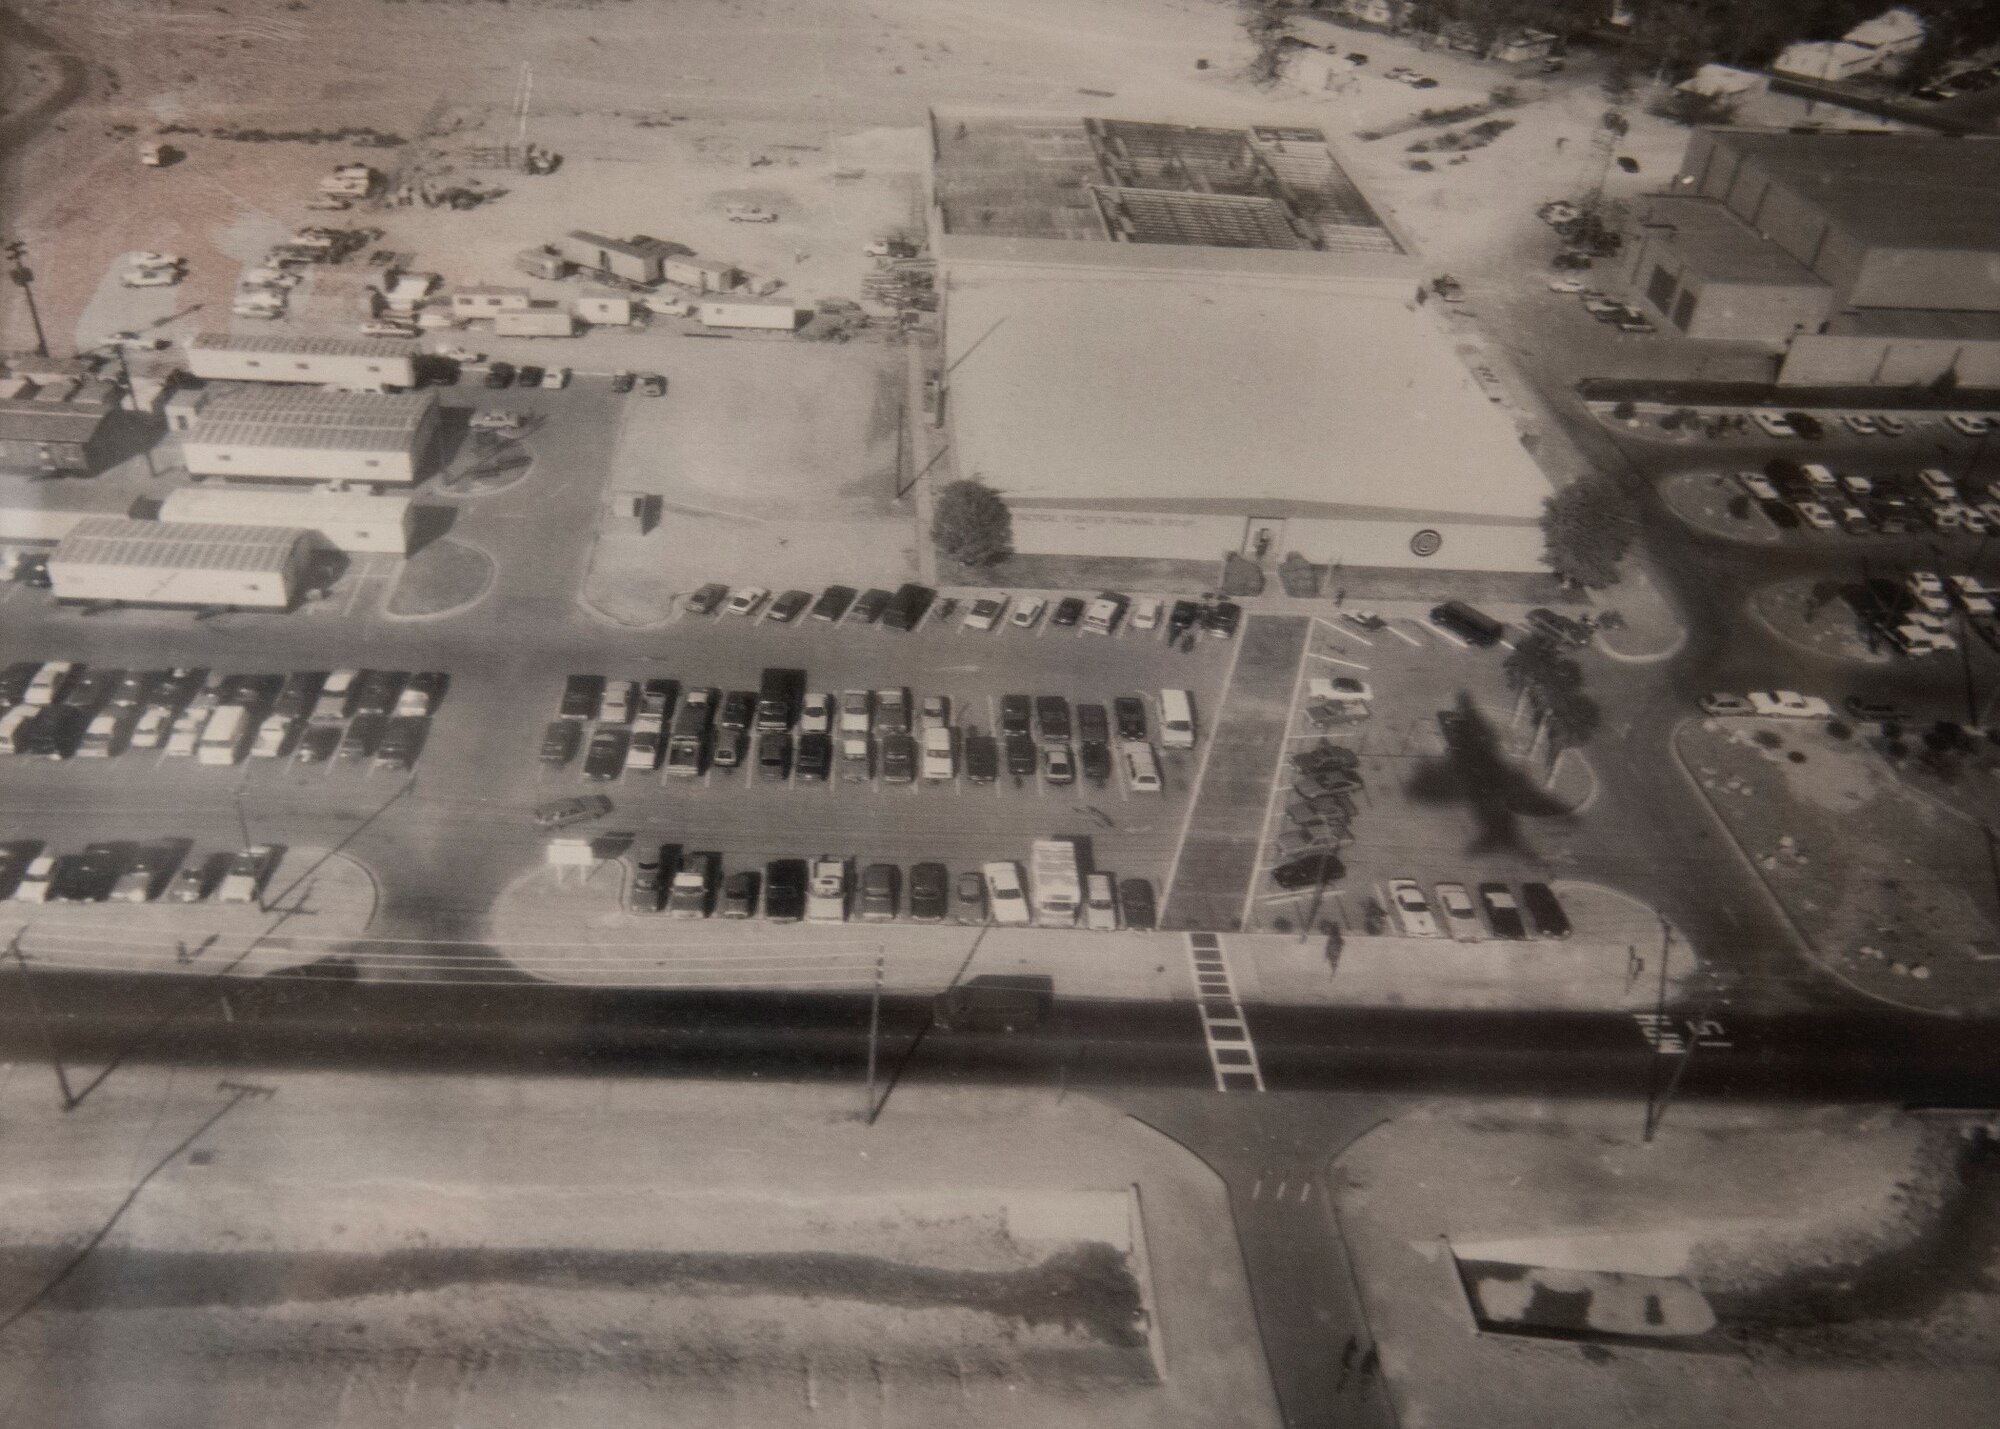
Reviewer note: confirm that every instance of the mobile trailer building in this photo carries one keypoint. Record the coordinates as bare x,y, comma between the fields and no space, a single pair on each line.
704,275
748,313
485,300
635,260
111,558
359,364
545,321
352,521
291,433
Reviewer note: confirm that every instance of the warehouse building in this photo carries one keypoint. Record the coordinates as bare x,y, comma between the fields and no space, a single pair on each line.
359,364
351,521
304,434
1872,256
1171,342
111,558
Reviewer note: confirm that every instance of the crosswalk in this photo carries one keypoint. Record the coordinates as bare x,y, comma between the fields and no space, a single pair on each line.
1230,1050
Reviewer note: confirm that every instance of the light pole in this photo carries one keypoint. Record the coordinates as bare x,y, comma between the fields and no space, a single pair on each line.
23,277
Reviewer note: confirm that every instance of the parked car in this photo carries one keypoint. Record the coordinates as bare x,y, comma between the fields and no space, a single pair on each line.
746,599
1461,919
1020,755
982,758
622,381
1544,910
401,742
816,713
319,743
785,890
1027,612
833,602
561,813
647,886
739,895
788,607
1016,712
1100,903
969,897
1005,896
1130,713
930,892
1503,915
1789,704
1135,905
899,759
705,600
1068,611
868,607
499,375
243,880
1057,765
774,755
1562,629
1315,869
604,757
985,612
652,384
1413,910
528,375
1721,704
815,758
1222,618
560,742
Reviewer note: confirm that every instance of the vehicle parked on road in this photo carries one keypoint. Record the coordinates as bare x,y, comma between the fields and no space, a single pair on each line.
691,893
604,758
1475,627
788,607
1413,910
1068,611
985,612
930,892
869,605
1544,910
243,881
1461,919
1503,915
744,600
649,862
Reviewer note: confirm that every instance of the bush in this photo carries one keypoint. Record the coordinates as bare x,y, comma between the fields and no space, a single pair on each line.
1838,729
1739,507
1769,739
1625,411
972,525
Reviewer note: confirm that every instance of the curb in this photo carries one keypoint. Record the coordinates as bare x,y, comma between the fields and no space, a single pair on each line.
486,588
598,612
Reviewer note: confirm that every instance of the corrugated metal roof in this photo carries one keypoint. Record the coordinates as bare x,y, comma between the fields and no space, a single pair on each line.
304,346
177,545
311,418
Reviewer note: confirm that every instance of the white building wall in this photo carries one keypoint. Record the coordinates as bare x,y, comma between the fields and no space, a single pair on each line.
347,521
780,317
1161,535
298,463
1155,535
360,374
152,585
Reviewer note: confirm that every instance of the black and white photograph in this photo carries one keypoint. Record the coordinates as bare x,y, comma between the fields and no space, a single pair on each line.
952,714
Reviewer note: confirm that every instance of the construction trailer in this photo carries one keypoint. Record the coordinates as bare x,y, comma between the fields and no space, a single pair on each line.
543,262
304,434
351,521
748,313
636,260
358,364
704,275
605,309
55,429
542,320
485,300
112,558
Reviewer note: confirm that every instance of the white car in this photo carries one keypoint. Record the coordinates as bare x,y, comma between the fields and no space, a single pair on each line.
1817,516
555,378
38,883
460,354
1968,424
748,213
1006,902
186,735
1976,598
1937,485
1413,910
1758,486
1566,285
151,277
258,310
384,328
1973,520
1146,612
271,737
489,421
1773,424
816,713
984,613
1027,610
1341,689
1789,704
1100,904
1855,485
746,600
1928,591
1459,914
1861,424
151,730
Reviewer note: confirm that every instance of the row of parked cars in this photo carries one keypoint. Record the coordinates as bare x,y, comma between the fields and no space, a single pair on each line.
60,709
680,884
1496,912
786,732
1793,493
909,605
115,872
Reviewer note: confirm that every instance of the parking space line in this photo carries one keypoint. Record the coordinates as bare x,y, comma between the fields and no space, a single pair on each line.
1404,636
1336,660
1445,635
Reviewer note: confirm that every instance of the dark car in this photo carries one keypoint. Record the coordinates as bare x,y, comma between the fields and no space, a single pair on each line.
789,606
899,759
1503,914
1016,714
1020,754
739,707
1222,619
1544,912
833,602
89,690
905,609
499,374
1806,425
560,742
364,732
14,681
86,877
1093,725
881,891
14,860
1311,870
427,686
257,691
581,696
729,746
1875,711
970,897
297,694
1068,611
33,571
739,894
930,892
605,759
622,381
869,607
652,384
649,875
1135,904
1559,628
707,600
530,375
402,742
1130,712
774,755
1052,719
131,690
1181,618
815,757
1094,757
982,758
54,733
785,890
318,743
561,813
377,691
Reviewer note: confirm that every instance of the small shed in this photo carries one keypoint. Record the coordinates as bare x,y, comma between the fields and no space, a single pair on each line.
704,275
605,309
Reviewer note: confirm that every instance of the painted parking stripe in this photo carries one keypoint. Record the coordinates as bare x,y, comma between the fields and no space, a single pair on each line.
1404,636
1231,1053
1336,660
1445,635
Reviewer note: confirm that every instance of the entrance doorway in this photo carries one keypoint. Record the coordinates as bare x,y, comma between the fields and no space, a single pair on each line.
1264,538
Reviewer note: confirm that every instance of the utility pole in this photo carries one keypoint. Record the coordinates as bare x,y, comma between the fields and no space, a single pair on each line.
41,1023
874,1033
24,278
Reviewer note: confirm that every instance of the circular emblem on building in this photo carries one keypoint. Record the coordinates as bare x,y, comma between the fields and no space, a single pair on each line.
1426,543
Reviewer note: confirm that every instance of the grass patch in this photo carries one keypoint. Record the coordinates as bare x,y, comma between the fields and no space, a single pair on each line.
444,576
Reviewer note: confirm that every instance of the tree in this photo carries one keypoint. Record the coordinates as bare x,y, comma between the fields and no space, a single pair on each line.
1264,21
1569,720
1536,666
1587,528
972,525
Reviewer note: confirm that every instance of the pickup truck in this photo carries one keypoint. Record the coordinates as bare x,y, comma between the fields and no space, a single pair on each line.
826,892
691,892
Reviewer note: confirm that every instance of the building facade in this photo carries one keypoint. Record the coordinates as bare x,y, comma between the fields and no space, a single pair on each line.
296,434
359,364
111,558
352,521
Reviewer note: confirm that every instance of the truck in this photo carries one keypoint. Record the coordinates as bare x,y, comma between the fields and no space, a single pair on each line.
778,695
689,738
826,892
689,895
1055,886
223,737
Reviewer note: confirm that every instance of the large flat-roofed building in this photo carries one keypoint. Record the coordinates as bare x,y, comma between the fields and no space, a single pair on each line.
1843,245
1171,342
111,558
361,364
307,434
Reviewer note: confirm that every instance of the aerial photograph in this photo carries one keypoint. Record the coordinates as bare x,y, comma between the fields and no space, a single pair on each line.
961,714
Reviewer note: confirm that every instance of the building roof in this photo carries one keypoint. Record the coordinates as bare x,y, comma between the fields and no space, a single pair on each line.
1884,188
24,419
1232,392
302,344
706,265
632,248
260,415
289,506
1721,247
175,545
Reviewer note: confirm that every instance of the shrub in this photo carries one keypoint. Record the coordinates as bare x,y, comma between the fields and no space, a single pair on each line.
1838,729
972,525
